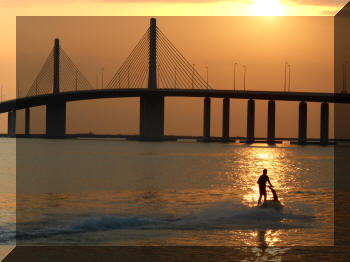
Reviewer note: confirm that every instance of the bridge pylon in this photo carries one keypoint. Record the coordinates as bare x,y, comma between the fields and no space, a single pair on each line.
56,67
152,70
151,105
56,107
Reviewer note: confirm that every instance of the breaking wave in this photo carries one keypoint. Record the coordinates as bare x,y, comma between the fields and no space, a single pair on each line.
216,216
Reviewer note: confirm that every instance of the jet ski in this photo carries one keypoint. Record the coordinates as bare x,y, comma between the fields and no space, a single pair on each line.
272,204
275,203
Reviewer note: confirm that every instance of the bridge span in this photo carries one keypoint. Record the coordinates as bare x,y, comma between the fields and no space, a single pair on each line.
168,74
157,126
21,103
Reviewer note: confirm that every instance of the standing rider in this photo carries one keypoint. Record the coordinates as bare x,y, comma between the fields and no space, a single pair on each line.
262,185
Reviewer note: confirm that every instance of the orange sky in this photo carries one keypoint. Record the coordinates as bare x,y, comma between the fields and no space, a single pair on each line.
287,41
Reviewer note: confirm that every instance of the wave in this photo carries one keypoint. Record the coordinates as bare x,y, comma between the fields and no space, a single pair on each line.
86,224
216,216
7,236
226,215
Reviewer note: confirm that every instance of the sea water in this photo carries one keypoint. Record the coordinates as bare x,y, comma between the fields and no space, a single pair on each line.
107,192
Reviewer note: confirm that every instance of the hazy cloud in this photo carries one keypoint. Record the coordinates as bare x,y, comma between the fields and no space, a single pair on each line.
299,2
12,2
179,1
319,2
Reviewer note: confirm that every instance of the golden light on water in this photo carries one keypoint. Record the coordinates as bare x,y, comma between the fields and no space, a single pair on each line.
268,8
272,237
264,155
261,238
277,169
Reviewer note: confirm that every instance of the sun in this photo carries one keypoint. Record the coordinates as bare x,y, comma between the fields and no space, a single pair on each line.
268,8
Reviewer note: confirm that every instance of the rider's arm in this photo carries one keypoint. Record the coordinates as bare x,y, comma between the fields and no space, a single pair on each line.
268,180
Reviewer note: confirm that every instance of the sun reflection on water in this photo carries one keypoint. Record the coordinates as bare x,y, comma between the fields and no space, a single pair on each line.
250,165
243,179
271,237
264,245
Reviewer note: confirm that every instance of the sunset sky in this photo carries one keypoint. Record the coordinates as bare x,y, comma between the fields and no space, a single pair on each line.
289,39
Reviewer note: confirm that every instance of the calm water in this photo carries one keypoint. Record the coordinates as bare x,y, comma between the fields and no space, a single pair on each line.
107,192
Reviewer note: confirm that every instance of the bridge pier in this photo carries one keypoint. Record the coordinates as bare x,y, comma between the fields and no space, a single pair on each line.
152,117
250,121
302,123
206,119
27,121
56,119
324,123
11,127
271,121
225,119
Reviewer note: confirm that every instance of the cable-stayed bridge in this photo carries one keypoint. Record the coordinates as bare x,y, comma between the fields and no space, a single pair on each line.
154,69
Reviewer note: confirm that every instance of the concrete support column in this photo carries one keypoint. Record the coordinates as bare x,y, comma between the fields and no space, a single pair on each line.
56,67
152,67
302,123
11,127
271,120
27,121
225,119
56,119
250,121
324,123
206,118
152,117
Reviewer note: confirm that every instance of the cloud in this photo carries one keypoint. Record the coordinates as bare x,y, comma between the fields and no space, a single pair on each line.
12,2
178,1
118,1
319,2
297,2
300,2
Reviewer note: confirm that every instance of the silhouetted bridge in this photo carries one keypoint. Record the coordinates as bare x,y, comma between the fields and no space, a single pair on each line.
168,74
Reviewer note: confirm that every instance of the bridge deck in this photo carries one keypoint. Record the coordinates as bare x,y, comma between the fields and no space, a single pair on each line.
21,103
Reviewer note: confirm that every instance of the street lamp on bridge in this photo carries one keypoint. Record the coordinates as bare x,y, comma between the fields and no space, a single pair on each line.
244,76
286,67
288,77
234,75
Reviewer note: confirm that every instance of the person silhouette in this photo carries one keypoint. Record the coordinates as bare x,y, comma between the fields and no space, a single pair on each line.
262,185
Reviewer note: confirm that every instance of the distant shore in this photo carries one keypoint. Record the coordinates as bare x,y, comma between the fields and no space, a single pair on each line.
237,139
